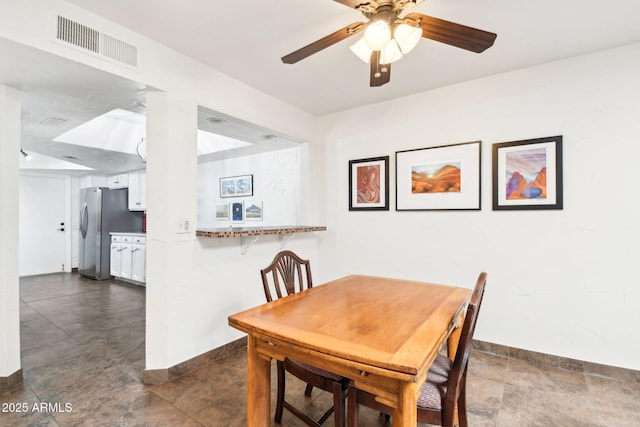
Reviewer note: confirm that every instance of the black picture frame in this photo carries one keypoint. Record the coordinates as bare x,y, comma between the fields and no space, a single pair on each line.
527,174
369,184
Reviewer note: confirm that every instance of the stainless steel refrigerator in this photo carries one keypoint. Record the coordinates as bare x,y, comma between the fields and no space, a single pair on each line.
102,211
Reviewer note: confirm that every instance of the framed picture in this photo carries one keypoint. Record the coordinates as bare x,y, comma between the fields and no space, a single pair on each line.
222,211
253,212
528,174
236,186
369,184
446,177
237,212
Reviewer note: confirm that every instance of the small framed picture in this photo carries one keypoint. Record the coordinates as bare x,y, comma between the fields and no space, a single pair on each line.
236,186
446,177
237,212
253,212
527,174
222,211
369,184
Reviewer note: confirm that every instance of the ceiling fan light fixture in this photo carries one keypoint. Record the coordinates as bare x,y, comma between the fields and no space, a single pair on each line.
361,50
391,53
377,34
407,37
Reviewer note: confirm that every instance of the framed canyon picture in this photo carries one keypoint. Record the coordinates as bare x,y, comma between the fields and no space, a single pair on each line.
446,177
527,174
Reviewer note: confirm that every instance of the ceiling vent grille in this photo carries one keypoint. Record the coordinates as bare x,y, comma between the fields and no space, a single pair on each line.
92,40
53,121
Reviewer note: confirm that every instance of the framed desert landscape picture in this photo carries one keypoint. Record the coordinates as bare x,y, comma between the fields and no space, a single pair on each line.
446,177
527,174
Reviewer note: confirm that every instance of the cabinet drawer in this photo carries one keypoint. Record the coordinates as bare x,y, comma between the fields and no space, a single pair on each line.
116,239
127,239
140,240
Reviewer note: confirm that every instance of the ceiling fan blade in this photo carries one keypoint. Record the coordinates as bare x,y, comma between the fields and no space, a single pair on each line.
454,34
323,43
380,74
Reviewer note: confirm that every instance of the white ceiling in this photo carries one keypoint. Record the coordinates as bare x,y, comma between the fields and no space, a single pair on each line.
246,39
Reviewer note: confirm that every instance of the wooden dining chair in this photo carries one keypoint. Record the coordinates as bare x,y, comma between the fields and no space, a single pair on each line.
286,275
442,398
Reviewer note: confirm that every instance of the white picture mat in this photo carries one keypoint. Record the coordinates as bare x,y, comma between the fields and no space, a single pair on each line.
382,180
550,148
468,197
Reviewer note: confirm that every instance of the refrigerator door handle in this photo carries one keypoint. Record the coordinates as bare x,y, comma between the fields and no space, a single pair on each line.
83,220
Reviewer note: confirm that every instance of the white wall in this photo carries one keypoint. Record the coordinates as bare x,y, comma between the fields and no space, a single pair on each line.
276,187
559,282
10,103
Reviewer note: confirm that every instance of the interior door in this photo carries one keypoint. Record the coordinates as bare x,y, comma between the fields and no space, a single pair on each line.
42,226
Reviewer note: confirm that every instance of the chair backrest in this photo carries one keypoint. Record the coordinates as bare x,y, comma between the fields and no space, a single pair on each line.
459,368
286,275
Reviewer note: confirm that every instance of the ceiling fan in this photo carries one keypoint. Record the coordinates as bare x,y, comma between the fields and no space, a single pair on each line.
387,36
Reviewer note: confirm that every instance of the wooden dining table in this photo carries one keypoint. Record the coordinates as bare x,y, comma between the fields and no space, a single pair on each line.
381,333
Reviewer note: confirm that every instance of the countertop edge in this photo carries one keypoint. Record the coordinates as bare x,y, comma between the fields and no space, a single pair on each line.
221,233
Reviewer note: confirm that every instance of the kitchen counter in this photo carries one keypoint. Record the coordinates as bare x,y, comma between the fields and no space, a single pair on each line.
121,233
250,235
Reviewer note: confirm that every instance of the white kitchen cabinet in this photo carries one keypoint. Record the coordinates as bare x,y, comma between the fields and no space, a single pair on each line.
115,262
93,181
138,190
128,257
139,259
118,181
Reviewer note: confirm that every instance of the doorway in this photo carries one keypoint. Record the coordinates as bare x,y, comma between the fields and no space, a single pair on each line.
43,228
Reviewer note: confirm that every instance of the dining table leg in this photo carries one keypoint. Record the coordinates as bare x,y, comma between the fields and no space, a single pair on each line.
406,414
258,387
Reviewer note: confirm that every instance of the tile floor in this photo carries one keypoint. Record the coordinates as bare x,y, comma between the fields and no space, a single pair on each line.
83,356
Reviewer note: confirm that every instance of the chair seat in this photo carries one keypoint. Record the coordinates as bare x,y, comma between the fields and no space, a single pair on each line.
435,388
317,371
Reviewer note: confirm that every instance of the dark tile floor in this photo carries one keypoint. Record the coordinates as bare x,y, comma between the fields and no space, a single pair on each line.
83,356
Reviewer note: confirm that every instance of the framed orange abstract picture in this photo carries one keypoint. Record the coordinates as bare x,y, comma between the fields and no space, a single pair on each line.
369,184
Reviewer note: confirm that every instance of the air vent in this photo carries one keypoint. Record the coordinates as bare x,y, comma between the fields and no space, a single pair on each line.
53,121
92,40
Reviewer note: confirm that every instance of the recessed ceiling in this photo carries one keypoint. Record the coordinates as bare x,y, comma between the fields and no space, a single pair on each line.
59,96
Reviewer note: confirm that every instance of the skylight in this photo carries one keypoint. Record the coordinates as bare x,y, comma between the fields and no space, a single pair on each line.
121,130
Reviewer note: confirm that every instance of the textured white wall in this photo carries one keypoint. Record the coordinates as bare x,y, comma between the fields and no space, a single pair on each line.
10,101
276,186
560,282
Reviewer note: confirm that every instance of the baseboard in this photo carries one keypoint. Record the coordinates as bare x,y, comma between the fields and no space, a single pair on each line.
160,376
543,359
7,383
